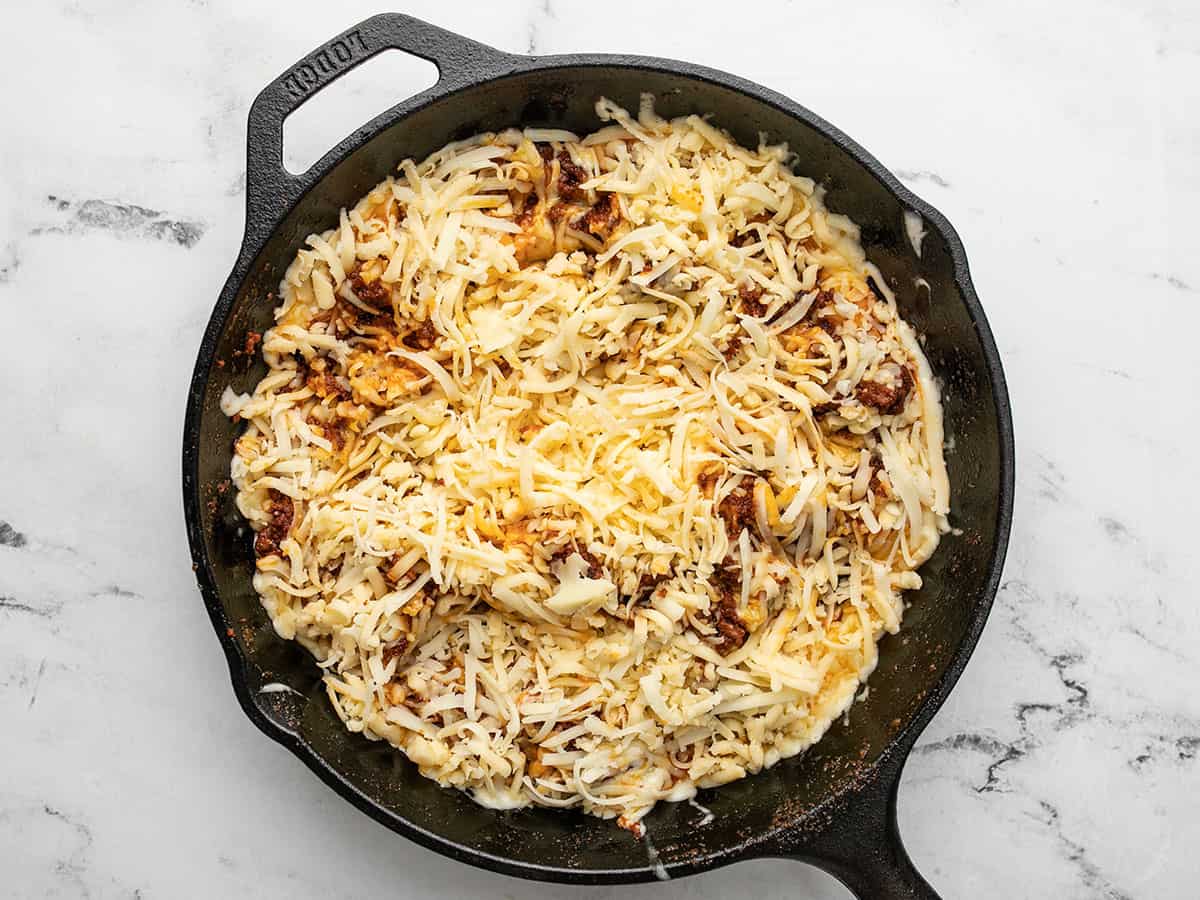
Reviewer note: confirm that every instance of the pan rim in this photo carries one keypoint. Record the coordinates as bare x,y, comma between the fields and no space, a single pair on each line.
893,754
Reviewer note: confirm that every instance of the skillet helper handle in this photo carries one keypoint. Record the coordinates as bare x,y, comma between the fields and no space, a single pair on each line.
861,845
459,61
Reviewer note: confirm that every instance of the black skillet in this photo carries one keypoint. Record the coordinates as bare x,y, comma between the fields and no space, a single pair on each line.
836,806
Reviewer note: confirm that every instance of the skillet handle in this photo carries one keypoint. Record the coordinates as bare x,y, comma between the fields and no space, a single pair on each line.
860,845
459,61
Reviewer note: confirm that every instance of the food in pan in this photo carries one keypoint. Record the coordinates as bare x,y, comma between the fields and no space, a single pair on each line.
591,470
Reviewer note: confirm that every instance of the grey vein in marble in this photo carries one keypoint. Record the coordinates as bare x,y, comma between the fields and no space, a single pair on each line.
37,682
113,590
11,604
1075,708
121,219
1090,874
542,12
9,263
1173,280
1179,750
917,175
10,537
1051,479
73,867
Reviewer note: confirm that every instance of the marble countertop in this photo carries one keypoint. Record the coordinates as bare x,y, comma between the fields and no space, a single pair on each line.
1061,139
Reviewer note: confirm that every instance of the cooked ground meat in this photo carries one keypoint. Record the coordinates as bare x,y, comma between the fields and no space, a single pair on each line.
824,298
595,568
280,509
602,218
731,631
750,235
646,586
570,177
737,509
527,207
423,337
888,399
749,294
820,302
394,649
324,385
734,345
374,293
331,431
827,323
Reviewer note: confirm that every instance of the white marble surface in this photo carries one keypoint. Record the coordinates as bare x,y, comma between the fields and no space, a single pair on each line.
1061,139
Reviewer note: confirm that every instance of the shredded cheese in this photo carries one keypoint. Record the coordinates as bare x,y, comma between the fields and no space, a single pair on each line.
591,470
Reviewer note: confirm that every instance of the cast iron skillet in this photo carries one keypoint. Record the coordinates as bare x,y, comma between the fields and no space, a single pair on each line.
835,807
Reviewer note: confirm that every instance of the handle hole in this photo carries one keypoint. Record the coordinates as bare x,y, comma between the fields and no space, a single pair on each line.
356,97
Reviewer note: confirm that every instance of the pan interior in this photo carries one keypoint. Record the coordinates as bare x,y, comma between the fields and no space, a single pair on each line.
911,664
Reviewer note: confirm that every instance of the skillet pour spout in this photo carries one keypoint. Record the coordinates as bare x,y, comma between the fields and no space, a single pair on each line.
835,806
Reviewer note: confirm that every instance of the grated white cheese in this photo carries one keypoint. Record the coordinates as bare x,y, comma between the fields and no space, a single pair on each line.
598,491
